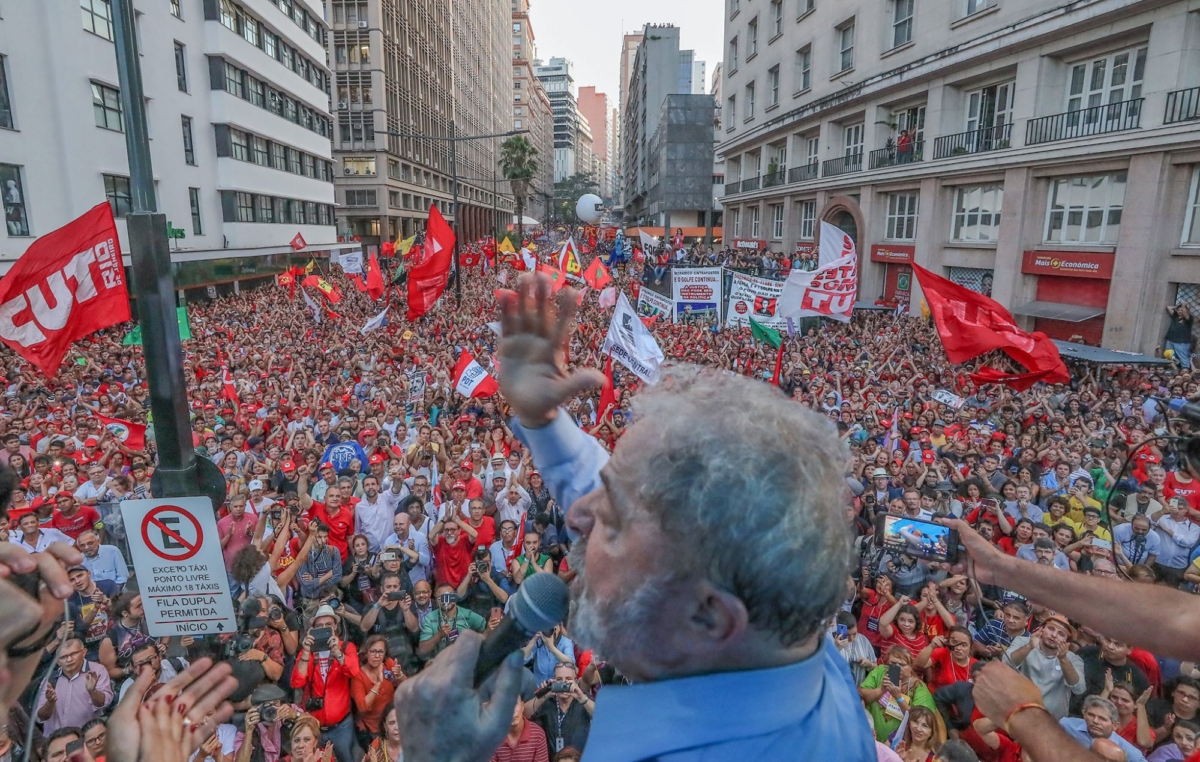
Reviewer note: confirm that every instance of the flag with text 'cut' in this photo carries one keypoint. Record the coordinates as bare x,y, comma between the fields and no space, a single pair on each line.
471,380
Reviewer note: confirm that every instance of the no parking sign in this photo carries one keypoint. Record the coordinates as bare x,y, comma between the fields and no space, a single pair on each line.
180,570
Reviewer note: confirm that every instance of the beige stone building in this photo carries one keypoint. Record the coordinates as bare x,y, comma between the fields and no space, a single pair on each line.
1046,153
414,66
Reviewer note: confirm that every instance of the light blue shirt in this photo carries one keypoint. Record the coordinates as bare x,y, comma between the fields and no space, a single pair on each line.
809,710
1077,727
107,565
542,662
420,570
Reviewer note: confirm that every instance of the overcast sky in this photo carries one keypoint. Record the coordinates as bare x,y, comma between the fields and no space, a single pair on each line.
592,39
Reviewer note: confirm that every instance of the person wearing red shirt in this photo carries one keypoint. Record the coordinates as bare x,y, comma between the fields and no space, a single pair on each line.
90,453
325,671
875,603
236,528
948,658
484,526
907,630
466,475
453,553
73,519
330,513
525,742
1182,484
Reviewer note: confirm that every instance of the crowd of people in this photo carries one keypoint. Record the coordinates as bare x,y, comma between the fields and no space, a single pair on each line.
373,514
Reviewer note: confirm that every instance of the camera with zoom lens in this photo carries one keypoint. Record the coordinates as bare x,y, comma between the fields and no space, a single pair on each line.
560,686
268,713
239,645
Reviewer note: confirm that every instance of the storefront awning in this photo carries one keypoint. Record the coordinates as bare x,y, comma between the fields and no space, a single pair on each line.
1102,356
1070,313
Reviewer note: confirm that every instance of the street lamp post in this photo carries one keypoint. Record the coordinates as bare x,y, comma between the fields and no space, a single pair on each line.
454,140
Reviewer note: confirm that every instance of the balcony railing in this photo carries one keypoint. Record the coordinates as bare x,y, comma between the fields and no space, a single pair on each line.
843,165
973,141
732,188
1182,106
892,156
771,179
804,172
750,184
1097,120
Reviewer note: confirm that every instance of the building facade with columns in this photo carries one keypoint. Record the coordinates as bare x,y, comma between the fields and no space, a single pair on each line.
1047,154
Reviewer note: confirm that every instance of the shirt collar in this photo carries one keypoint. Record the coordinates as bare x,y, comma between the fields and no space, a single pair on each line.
636,722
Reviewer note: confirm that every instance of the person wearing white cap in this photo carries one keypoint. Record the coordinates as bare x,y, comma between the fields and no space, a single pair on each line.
324,671
881,487
258,503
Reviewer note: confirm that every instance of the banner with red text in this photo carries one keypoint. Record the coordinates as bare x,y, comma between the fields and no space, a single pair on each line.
830,290
757,298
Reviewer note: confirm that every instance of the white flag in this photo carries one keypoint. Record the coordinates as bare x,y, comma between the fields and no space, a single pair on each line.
648,241
835,244
375,322
608,297
352,262
470,379
503,277
494,326
830,290
632,344
529,260
316,309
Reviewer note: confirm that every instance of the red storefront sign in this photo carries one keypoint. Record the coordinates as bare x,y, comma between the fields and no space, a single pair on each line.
805,249
893,253
1078,264
757,244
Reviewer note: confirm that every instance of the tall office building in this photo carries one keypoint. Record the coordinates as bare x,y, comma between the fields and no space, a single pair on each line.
532,111
557,77
594,107
1058,172
414,67
629,48
237,114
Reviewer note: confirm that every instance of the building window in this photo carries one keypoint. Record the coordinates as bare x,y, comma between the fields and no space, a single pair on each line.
233,81
977,213
250,30
245,207
776,18
773,85
229,15
295,163
754,212
265,211
279,156
6,114
902,22
1106,79
1085,209
975,6
777,221
194,203
808,220
804,68
752,39
845,34
977,279
1191,227
97,17
749,101
734,6
116,190
902,216
181,67
988,110
733,54
853,140
737,222
189,147
813,150
106,103
270,44
255,90
732,110
175,9
262,154
360,197
239,145
359,165
15,217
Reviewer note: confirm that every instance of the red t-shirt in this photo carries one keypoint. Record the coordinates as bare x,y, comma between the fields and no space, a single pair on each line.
932,624
485,532
868,620
1008,751
453,561
943,670
1189,490
341,525
915,644
86,517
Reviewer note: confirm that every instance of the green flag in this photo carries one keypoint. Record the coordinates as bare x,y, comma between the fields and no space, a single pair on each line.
134,337
762,333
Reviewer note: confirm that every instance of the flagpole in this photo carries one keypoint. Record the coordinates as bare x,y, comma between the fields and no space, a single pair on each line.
456,266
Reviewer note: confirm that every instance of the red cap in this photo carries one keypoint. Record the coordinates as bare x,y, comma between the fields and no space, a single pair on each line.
459,485
325,465
376,458
467,465
90,442
288,466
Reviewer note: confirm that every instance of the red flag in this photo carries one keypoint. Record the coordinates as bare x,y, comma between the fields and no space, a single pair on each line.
388,249
228,389
971,324
359,285
1018,381
608,392
80,263
638,255
649,321
558,278
374,278
764,305
327,289
427,280
298,243
132,435
468,258
778,365
591,242
597,275
470,379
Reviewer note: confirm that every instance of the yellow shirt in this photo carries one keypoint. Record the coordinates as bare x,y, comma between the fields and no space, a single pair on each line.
1077,506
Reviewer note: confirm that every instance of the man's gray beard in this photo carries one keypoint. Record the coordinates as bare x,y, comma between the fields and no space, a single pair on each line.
614,629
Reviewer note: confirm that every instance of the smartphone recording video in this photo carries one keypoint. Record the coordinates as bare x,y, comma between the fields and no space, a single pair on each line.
916,538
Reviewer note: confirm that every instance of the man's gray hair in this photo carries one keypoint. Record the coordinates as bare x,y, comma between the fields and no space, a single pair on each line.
1103,703
752,485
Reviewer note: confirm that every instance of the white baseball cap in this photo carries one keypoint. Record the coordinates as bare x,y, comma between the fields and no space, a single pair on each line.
255,484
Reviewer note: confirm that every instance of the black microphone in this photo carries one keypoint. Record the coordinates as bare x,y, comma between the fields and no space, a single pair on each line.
540,603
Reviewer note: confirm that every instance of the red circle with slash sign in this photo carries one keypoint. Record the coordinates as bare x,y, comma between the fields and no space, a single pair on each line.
182,549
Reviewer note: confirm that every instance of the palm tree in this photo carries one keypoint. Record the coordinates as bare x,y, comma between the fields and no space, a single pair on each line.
518,162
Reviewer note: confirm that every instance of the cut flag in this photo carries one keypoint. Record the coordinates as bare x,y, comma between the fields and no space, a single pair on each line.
506,246
971,324
568,261
374,278
134,337
376,322
427,280
770,336
528,261
132,435
830,290
228,389
351,262
470,379
596,275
